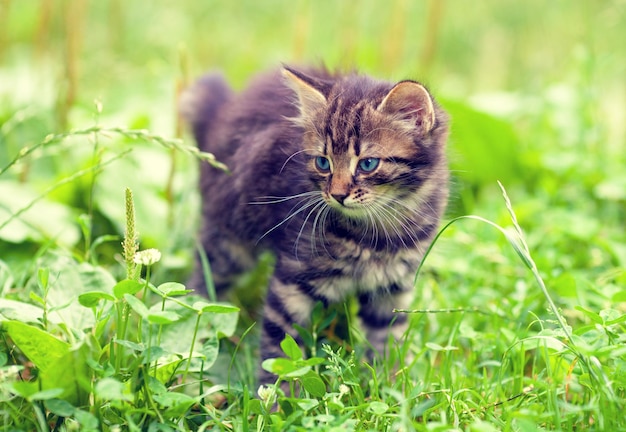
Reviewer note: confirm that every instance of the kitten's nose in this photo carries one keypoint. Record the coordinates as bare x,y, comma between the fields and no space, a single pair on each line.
340,197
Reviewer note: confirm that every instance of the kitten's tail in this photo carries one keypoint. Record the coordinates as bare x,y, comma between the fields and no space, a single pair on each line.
201,103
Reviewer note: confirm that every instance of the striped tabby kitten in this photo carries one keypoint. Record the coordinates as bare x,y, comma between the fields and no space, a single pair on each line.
343,177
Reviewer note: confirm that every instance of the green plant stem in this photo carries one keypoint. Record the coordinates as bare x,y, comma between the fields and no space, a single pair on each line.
161,325
148,396
118,347
145,301
193,343
145,288
453,310
123,313
530,263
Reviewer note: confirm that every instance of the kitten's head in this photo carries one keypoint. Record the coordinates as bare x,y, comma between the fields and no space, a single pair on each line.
372,146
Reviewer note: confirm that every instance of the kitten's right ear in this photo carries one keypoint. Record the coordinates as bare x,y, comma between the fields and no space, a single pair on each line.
310,97
410,101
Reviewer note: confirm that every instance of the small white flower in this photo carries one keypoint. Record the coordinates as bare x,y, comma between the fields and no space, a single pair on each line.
343,389
267,394
147,257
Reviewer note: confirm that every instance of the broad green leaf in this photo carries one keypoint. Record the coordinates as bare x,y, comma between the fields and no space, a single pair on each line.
590,314
18,311
205,307
132,345
110,389
92,298
155,386
224,325
23,388
378,408
548,338
166,371
169,399
255,407
612,316
127,286
60,407
136,305
72,374
71,279
101,325
210,350
210,325
308,404
27,215
617,320
173,289
46,394
313,361
299,371
36,298
88,422
313,384
162,317
291,348
177,403
152,354
43,275
40,347
486,148
278,366
153,207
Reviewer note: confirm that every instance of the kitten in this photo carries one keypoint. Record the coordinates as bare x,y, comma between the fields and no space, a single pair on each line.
343,177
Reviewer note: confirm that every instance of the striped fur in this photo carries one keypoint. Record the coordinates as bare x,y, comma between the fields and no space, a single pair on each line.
343,177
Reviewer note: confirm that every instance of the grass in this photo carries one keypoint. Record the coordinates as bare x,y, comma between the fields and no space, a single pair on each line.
520,319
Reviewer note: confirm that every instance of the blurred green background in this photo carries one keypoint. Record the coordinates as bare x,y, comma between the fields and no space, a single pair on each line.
536,91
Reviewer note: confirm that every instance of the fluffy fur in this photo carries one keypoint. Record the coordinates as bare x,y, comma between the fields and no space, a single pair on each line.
343,177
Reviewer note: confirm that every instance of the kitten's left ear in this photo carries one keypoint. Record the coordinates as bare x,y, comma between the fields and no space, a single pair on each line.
410,101
308,89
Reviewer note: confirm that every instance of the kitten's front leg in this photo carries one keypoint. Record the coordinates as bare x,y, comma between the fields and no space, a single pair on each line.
285,304
377,317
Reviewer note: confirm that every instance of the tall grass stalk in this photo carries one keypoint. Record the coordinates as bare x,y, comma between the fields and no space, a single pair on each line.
519,246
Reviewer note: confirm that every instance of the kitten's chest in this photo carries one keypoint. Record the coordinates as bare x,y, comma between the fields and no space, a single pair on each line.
353,268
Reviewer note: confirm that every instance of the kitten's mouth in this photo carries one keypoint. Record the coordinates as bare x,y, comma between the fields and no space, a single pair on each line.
349,209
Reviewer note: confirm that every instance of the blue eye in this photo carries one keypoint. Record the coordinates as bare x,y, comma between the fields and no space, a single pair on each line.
369,164
322,163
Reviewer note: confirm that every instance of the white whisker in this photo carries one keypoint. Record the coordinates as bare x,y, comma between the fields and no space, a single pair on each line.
278,199
316,207
291,157
318,217
313,200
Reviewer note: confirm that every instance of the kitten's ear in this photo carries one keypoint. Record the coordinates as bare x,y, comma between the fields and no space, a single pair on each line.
410,101
308,89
